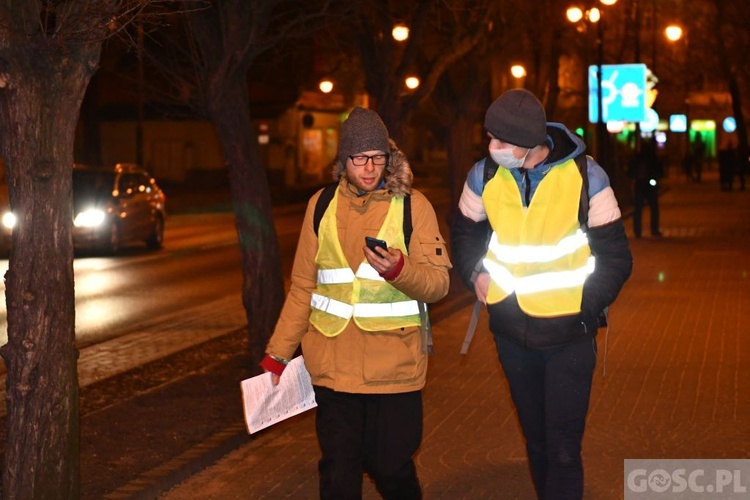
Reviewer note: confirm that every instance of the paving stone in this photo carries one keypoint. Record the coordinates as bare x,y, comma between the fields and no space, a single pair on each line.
676,384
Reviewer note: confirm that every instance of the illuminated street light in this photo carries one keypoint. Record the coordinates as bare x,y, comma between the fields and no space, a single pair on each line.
412,82
594,16
400,32
326,86
518,71
574,14
673,33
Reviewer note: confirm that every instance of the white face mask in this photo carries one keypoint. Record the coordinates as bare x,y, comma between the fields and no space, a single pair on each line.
506,159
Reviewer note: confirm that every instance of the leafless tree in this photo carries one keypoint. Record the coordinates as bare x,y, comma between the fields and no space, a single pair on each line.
48,52
460,100
221,42
469,85
440,33
732,44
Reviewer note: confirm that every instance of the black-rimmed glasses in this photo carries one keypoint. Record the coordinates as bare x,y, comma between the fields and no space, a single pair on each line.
361,160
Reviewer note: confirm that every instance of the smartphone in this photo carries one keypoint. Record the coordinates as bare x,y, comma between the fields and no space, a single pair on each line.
374,242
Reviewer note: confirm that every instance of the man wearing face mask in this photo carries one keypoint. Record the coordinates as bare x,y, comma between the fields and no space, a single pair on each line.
544,275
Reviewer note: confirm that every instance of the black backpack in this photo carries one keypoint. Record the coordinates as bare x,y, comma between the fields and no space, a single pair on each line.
490,168
330,191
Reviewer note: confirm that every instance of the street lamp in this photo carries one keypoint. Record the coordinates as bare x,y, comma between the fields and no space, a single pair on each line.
574,14
674,34
594,15
518,71
400,32
326,86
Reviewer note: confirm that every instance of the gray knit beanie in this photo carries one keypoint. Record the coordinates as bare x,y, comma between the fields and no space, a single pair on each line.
362,131
517,117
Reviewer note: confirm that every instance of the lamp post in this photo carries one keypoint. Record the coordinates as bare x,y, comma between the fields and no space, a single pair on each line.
412,82
326,86
674,34
518,71
400,32
602,137
594,16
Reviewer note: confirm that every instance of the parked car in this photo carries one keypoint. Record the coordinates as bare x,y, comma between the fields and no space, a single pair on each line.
113,207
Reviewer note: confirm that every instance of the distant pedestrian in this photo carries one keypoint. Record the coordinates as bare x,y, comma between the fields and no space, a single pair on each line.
646,170
727,158
687,167
358,314
742,168
544,274
699,155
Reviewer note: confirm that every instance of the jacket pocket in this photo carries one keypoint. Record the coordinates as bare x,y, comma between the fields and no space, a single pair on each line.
392,356
435,251
317,350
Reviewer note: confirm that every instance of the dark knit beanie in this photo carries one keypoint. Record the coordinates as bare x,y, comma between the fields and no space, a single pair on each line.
362,131
517,117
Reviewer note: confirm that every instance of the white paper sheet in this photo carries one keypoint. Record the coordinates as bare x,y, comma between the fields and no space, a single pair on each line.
266,404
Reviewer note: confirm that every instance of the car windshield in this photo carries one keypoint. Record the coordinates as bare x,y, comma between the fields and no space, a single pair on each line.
90,182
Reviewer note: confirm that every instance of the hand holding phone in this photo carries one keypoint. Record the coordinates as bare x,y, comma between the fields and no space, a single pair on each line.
372,243
386,261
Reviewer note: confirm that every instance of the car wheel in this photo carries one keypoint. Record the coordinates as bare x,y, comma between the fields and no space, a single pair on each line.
156,240
113,245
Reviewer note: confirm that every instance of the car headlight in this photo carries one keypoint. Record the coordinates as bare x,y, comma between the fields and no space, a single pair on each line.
9,220
89,218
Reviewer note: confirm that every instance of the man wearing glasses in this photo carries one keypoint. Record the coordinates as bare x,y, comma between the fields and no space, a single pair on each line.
358,310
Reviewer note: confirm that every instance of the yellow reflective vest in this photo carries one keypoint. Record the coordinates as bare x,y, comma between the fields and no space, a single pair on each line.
538,252
341,294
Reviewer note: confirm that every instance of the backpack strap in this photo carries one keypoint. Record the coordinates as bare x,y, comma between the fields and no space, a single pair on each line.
583,206
490,169
408,228
322,204
330,191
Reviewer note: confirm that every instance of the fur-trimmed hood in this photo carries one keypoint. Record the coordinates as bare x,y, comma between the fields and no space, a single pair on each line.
398,175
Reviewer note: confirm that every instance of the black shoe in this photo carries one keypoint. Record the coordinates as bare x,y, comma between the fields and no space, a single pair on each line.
657,234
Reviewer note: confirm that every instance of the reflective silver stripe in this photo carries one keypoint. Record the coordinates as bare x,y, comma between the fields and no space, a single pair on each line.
331,306
334,276
387,309
501,276
366,271
515,254
541,282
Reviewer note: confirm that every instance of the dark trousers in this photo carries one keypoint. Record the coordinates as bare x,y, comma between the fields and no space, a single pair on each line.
645,193
551,391
376,434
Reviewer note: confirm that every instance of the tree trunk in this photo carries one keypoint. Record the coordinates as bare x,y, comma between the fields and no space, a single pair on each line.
263,285
732,83
461,98
40,98
388,106
743,150
88,149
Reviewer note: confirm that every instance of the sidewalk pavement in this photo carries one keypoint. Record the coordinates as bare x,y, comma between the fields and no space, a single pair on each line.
677,362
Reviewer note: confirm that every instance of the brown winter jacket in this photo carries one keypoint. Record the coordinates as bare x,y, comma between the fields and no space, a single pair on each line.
358,361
